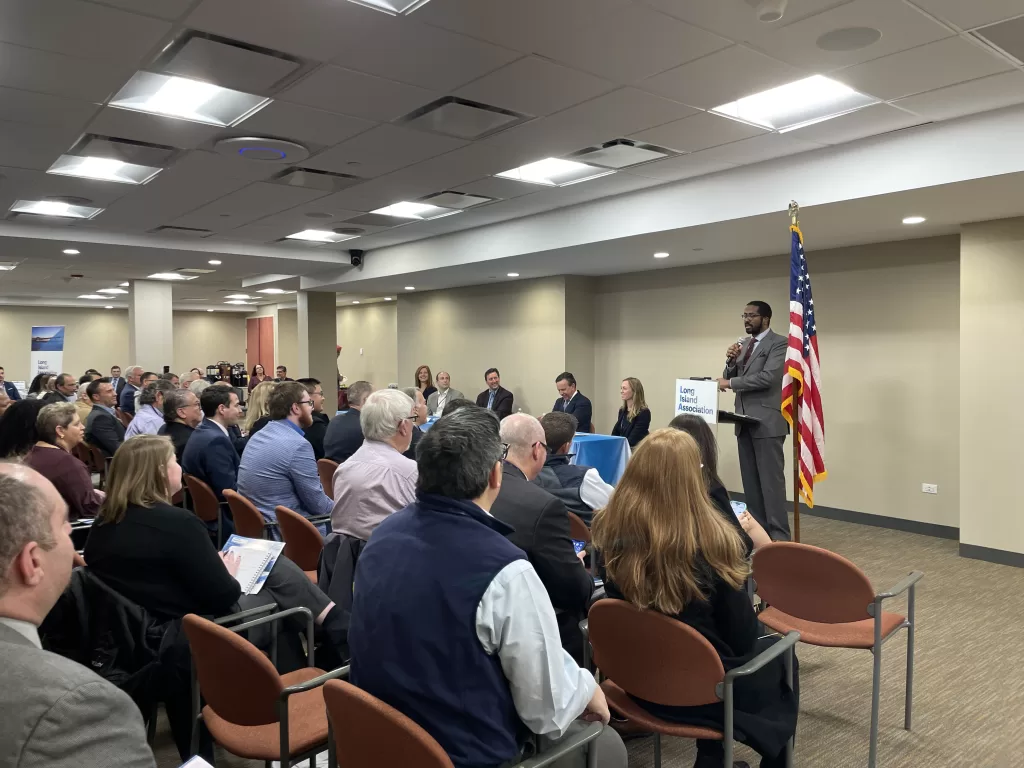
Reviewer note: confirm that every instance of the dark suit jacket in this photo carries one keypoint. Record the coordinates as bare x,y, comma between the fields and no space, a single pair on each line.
502,401
541,525
210,456
118,385
634,431
344,436
315,433
126,399
179,434
104,430
580,407
12,391
417,435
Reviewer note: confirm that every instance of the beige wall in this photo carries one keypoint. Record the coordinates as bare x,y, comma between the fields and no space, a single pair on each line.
991,421
580,337
372,328
201,338
889,341
286,335
517,327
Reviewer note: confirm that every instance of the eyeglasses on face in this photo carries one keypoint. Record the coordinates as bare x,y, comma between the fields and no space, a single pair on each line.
305,402
749,315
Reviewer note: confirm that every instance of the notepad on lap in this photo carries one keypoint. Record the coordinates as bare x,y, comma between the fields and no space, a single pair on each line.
257,558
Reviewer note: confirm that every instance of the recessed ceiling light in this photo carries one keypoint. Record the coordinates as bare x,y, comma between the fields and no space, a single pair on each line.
274,290
92,296
122,285
238,296
209,310
103,169
112,291
171,276
186,99
387,298
214,262
7,267
661,255
410,287
554,172
320,236
71,252
797,104
513,274
914,219
355,302
421,211
236,301
392,7
55,208
108,307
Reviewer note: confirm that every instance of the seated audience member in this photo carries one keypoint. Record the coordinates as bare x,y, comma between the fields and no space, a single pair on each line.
277,467
171,377
377,479
82,403
579,487
256,415
439,398
234,431
419,412
182,415
63,390
54,712
571,400
495,398
18,428
344,434
161,557
185,380
5,401
198,386
439,581
542,527
196,371
60,429
132,384
456,404
11,390
37,387
315,432
147,378
209,454
634,419
103,429
666,548
259,375
150,414
281,374
422,381
753,535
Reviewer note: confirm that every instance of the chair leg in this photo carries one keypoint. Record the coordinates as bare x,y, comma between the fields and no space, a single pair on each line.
876,681
657,750
909,703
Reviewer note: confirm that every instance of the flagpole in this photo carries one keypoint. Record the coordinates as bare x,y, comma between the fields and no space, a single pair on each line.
794,220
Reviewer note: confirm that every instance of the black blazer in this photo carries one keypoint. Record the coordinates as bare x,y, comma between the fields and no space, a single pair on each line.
104,430
179,434
541,524
634,431
343,437
315,433
502,401
580,407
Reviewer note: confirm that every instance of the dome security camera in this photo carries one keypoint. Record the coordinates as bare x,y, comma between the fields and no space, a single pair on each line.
769,11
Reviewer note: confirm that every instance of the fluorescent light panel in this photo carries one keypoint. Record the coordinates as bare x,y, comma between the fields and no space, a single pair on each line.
92,296
53,208
236,301
238,296
320,236
112,291
103,169
796,105
274,291
554,172
392,7
187,99
415,211
170,276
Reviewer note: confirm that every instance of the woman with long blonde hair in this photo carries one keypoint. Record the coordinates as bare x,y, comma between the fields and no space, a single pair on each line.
634,419
258,409
666,548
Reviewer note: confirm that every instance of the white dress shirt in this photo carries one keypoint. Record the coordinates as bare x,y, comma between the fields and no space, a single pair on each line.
442,400
24,628
595,492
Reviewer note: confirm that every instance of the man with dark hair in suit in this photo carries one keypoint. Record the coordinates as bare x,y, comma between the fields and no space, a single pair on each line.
116,379
571,400
10,389
209,453
344,433
495,398
316,431
54,712
103,429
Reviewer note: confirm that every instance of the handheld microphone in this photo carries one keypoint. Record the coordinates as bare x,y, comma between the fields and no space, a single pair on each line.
740,341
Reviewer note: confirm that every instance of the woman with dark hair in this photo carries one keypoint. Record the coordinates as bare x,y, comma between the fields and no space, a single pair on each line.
666,548
37,388
424,381
259,375
18,428
634,419
753,535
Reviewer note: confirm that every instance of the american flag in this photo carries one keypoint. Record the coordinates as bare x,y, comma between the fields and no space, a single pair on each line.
801,382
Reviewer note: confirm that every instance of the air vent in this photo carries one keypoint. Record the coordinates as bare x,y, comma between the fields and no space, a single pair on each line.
194,271
1007,36
622,153
462,118
181,231
307,178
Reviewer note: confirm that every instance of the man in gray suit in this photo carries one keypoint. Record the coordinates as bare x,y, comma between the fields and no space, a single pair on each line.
753,370
444,394
54,712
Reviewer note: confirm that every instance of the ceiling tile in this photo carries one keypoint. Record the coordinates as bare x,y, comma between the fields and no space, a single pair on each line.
535,86
281,119
902,27
968,14
85,79
381,150
967,98
296,219
722,77
501,189
246,205
870,121
758,149
698,132
736,20
352,93
35,146
446,171
685,167
154,129
631,44
945,62
165,9
79,29
42,109
616,184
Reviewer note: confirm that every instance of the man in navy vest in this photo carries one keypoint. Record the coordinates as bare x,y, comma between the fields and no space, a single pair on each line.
439,582
579,487
571,400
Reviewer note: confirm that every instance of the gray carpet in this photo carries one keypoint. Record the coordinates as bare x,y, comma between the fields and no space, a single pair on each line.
969,678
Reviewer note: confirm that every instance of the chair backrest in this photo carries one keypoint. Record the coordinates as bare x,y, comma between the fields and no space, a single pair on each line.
236,680
326,469
204,500
578,529
124,417
369,733
97,461
81,452
653,656
811,583
302,541
248,519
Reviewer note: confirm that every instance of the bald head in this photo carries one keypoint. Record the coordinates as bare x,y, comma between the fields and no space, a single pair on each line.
524,436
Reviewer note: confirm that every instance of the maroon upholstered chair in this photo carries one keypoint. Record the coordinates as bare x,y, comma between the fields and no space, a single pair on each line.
248,519
303,543
205,504
326,469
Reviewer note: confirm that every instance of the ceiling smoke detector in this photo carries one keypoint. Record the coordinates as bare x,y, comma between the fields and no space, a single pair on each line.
351,231
261,149
769,11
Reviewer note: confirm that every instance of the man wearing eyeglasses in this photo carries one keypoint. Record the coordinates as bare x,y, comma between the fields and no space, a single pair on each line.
278,467
541,524
753,370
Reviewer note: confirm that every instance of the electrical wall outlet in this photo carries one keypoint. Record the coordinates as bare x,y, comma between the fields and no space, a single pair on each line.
360,350
929,488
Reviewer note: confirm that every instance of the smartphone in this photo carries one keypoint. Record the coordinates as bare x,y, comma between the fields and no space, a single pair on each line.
579,546
738,507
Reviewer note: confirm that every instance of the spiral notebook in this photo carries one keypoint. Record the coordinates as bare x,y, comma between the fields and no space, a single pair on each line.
258,557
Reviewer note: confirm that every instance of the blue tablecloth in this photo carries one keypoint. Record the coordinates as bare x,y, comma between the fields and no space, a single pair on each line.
429,423
608,455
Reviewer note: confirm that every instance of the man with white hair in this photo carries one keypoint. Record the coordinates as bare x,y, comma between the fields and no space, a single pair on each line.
541,524
185,379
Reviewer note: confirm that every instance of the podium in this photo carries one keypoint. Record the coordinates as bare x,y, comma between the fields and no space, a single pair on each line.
728,417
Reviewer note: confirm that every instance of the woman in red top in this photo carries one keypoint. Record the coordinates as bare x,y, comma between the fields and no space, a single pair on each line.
258,376
59,430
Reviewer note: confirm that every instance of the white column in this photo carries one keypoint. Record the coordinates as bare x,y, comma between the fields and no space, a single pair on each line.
318,338
150,325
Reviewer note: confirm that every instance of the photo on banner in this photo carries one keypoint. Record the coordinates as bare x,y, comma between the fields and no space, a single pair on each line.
47,353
